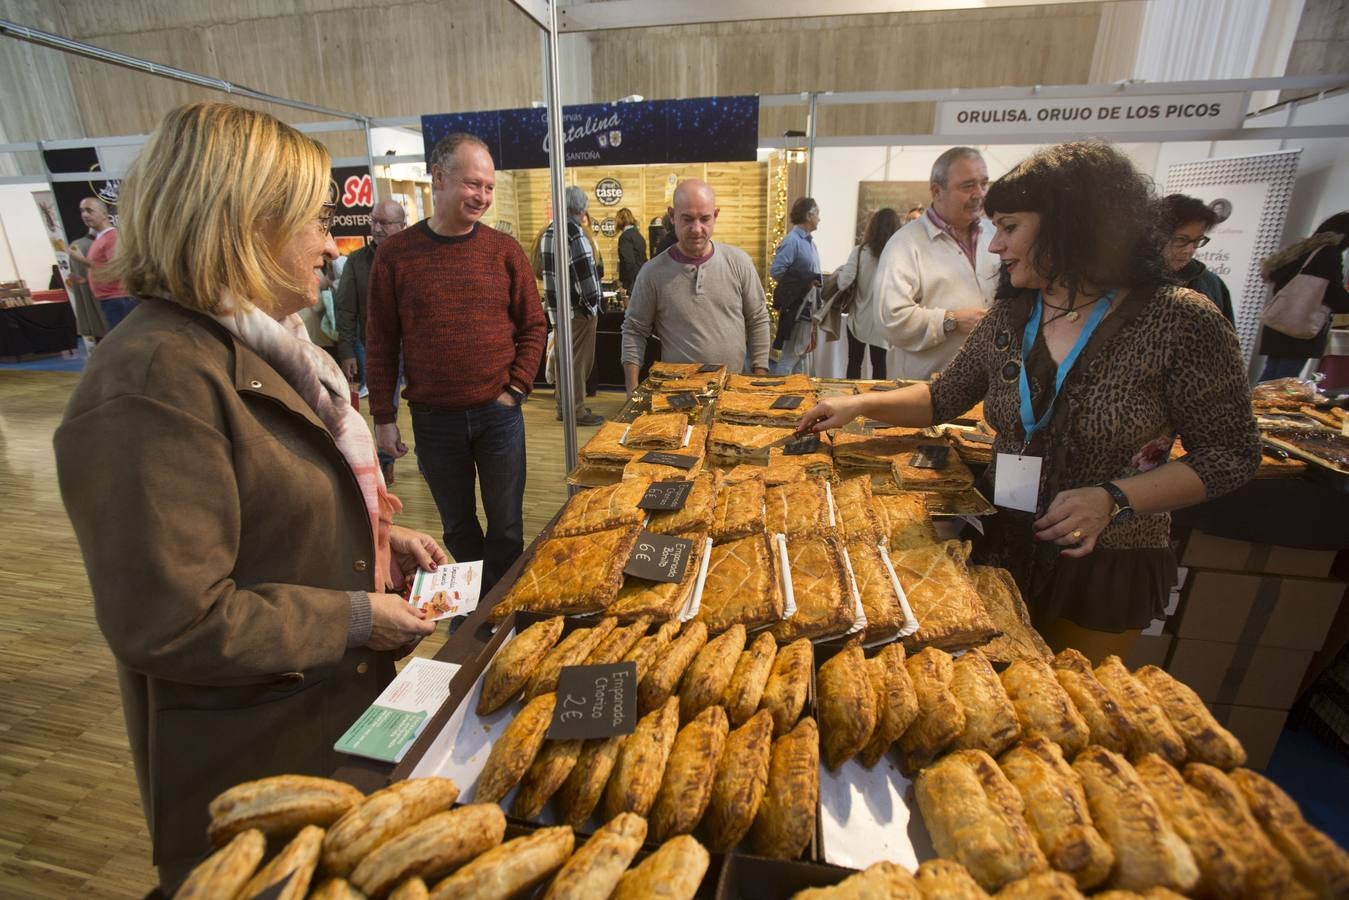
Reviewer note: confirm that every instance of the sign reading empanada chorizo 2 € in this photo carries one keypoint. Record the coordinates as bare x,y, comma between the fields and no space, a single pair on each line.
595,702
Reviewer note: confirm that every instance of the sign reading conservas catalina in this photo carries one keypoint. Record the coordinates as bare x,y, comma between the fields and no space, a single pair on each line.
703,129
1093,115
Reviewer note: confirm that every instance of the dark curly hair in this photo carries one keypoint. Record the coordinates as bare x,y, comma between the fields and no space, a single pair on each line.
1180,209
1099,219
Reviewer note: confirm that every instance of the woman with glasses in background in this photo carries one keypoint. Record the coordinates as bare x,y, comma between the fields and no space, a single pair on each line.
1187,222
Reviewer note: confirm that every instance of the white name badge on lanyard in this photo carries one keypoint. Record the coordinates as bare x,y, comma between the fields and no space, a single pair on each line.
1016,482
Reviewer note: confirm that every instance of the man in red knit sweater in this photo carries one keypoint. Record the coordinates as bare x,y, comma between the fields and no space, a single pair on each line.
459,299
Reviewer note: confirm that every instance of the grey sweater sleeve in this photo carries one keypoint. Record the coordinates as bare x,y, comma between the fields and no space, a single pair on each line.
362,620
639,318
757,324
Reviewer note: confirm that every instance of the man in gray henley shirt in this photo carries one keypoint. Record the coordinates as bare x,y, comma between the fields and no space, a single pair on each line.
703,300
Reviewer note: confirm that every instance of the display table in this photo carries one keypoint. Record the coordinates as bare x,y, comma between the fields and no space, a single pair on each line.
42,329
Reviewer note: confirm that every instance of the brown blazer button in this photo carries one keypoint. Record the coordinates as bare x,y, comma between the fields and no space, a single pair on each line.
363,668
359,565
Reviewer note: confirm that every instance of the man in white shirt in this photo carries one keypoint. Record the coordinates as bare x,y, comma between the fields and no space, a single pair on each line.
936,278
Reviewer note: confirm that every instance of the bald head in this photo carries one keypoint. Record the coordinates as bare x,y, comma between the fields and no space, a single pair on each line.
94,213
387,218
694,213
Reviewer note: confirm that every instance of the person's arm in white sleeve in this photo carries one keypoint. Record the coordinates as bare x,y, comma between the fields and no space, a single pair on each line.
904,322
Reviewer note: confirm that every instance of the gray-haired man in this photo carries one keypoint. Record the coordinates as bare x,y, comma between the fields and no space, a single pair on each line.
585,302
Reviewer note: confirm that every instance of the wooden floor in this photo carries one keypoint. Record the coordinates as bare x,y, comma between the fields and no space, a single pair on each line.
70,816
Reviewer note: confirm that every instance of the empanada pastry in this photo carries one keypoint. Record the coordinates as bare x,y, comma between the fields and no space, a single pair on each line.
954,476
673,872
785,821
1221,870
1152,731
594,870
514,751
1002,599
941,717
334,889
637,772
847,699
1040,886
571,575
510,868
279,806
904,520
657,431
572,650
662,371
1268,872
743,585
788,682
597,509
1152,893
606,450
381,816
710,673
870,451
774,385
974,816
581,792
618,643
739,511
657,470
896,702
856,517
1043,707
666,401
647,650
739,783
225,872
1110,726
1056,809
659,601
797,509
294,866
433,847
686,786
990,718
412,889
696,513
788,468
749,679
513,664
946,879
546,774
744,443
741,408
882,879
1205,740
943,599
880,603
1317,861
663,678
1148,851
824,599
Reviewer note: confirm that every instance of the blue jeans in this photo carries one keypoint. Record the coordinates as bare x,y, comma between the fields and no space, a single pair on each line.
115,309
792,361
1282,367
451,444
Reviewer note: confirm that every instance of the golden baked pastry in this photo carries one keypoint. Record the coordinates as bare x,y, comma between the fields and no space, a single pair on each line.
974,816
581,792
638,467
1152,731
1110,726
662,371
941,717
1041,886
663,677
1221,870
709,675
785,693
799,508
546,774
943,599
1002,599
784,468
571,575
743,585
1056,809
605,450
1317,861
904,520
514,751
412,889
594,870
739,783
1205,740
954,476
618,642
647,650
847,701
739,511
663,401
640,764
870,451
1147,850
882,879
740,443
825,604
946,879
659,601
572,650
757,409
1043,707
381,816
1268,872
686,785
294,866
696,513
657,431
334,889
785,821
225,872
601,508
857,518
513,664
673,872
896,702
990,719
773,385
433,847
279,806
749,678
510,868
880,603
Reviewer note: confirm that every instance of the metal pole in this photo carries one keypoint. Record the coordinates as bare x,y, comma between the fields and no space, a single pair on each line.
375,198
557,158
811,120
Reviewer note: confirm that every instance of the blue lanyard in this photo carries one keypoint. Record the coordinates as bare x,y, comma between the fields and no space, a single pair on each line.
1028,423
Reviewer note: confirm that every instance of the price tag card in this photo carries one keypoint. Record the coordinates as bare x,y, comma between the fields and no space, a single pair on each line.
790,401
595,702
708,368
659,557
666,495
801,445
930,456
679,460
682,400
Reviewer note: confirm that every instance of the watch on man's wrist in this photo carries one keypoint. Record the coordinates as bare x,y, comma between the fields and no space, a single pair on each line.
516,394
948,322
1121,511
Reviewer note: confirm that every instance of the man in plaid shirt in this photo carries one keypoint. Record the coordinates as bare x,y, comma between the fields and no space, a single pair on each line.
585,302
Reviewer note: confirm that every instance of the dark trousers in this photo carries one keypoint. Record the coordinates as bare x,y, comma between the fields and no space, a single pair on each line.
452,446
115,309
1282,367
855,348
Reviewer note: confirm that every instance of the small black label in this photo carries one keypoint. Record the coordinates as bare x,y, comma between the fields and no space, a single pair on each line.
708,368
682,400
776,382
801,445
789,401
977,436
666,495
883,387
678,460
659,557
595,702
930,456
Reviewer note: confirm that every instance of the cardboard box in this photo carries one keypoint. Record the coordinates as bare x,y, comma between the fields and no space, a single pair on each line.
1240,674
1258,730
1149,650
1205,551
1238,608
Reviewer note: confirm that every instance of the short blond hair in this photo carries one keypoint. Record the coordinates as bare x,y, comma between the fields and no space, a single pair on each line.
207,206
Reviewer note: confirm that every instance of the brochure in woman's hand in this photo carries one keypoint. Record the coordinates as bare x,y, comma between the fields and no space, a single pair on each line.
448,591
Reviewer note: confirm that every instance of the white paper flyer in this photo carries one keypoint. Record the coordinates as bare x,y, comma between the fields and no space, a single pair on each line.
449,591
387,729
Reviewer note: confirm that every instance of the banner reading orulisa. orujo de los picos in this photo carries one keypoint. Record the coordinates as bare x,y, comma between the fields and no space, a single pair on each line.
1092,115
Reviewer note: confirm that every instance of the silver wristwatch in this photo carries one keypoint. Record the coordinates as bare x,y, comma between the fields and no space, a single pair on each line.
948,324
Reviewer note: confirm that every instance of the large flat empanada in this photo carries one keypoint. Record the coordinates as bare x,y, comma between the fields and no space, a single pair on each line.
606,449
1002,599
1152,731
749,678
641,762
514,752
856,518
758,409
739,511
1317,861
708,676
638,467
742,586
740,443
824,598
662,371
880,602
1205,740
896,702
660,601
657,431
943,599
774,385
696,513
799,508
739,783
787,813
847,700
990,719
904,520
1222,873
788,684
572,575
512,665
666,402
572,650
1110,726
596,509
941,717
786,468
870,451
954,476
686,786
1043,707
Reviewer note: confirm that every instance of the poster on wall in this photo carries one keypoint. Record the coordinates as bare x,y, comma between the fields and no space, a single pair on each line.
51,223
901,196
68,194
1250,194
354,193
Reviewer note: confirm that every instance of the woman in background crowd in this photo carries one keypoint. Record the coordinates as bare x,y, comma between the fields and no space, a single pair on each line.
631,248
1187,221
861,269
1320,255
